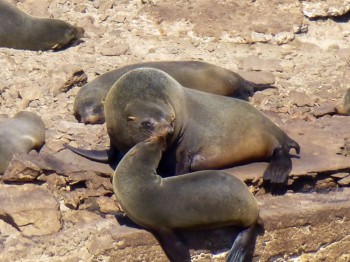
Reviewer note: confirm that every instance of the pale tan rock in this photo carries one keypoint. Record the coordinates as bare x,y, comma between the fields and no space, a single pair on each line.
107,205
232,20
32,209
258,77
328,8
21,169
253,63
115,49
300,99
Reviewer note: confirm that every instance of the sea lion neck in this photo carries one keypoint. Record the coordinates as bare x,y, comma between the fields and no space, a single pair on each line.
141,161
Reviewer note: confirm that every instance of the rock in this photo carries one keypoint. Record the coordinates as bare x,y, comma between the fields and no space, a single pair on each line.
344,53
344,181
319,111
231,21
30,94
319,221
107,205
340,175
253,63
65,77
258,77
300,99
310,48
327,8
30,209
105,5
345,148
21,169
115,49
36,8
343,106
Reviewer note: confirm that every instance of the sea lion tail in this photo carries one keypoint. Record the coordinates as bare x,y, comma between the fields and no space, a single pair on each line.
292,144
257,87
250,88
102,156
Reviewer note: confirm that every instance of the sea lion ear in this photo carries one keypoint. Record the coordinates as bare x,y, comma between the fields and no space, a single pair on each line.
131,118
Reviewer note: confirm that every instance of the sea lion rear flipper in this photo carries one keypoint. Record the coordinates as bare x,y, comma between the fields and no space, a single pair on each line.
102,156
279,168
174,248
240,248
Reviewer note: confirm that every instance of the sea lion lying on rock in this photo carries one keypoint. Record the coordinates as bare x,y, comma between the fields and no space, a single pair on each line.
203,199
19,30
88,104
24,132
210,131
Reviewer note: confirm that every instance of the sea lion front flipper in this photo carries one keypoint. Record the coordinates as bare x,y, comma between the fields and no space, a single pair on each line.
103,156
173,247
240,248
279,167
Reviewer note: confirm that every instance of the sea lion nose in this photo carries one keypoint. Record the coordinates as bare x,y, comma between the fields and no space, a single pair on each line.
170,129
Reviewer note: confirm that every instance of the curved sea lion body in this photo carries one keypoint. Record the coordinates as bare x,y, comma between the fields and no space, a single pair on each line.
21,31
210,131
20,134
88,106
203,199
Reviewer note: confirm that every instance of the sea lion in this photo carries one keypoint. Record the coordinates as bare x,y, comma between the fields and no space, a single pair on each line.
88,105
210,131
20,134
19,30
203,199
343,107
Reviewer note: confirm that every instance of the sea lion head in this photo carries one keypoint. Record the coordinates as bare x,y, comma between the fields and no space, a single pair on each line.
88,106
142,120
145,120
89,111
59,34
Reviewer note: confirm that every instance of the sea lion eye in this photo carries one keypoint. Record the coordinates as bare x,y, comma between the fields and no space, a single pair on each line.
147,125
131,118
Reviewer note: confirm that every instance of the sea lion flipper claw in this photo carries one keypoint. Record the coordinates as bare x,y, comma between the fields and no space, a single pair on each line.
240,247
279,167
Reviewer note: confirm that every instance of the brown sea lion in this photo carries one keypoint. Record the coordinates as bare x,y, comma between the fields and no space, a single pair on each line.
203,199
88,105
343,107
24,132
210,131
21,31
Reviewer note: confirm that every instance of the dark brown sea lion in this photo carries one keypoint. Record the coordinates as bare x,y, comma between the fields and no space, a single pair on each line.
21,31
88,105
210,131
203,199
24,132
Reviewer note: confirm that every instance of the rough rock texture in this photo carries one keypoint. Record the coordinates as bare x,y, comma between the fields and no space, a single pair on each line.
249,22
57,206
328,8
30,209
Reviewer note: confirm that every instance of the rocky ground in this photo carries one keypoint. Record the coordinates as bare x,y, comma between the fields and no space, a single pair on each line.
56,206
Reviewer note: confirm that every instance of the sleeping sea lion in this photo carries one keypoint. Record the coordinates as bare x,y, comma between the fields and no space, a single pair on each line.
88,105
24,132
19,30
